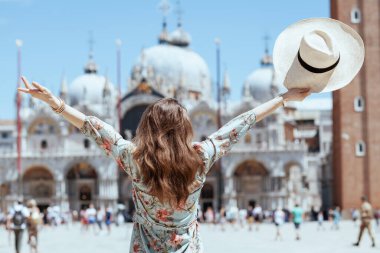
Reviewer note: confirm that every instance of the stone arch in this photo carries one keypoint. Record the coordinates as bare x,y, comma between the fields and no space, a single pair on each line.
125,191
44,125
207,198
131,120
249,179
82,186
38,183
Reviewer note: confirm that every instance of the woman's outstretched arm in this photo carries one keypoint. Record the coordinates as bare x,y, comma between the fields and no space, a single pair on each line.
105,136
269,107
220,143
40,92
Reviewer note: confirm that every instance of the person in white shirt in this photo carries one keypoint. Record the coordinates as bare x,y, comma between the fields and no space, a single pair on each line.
279,219
16,221
91,216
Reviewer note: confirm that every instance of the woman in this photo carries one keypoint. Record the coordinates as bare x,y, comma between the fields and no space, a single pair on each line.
167,169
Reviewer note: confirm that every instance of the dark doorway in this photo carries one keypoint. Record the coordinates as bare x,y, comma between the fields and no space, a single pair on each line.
131,120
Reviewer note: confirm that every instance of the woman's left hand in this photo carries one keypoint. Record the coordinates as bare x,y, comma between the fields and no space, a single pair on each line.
40,92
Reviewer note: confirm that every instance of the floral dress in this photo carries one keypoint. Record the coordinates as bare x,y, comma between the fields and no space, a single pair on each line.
159,227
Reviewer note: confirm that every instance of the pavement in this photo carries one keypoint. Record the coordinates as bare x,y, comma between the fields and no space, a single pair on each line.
70,239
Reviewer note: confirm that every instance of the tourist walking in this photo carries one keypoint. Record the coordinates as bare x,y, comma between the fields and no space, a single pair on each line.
336,218
355,215
100,218
17,222
297,214
108,219
258,216
91,217
320,219
33,222
279,219
250,217
366,215
166,215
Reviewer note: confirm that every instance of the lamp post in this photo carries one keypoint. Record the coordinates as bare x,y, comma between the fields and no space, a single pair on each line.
18,105
219,122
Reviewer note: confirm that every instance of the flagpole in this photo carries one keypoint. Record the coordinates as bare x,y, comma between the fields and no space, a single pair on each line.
18,103
118,73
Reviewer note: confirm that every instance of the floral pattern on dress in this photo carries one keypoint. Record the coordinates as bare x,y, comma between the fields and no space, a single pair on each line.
159,227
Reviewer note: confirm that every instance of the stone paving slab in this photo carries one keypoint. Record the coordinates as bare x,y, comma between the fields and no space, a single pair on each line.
237,240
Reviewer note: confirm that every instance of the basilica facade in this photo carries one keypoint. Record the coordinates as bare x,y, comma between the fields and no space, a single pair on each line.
283,160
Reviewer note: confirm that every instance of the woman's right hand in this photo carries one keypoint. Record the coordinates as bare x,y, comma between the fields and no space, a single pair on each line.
296,94
40,92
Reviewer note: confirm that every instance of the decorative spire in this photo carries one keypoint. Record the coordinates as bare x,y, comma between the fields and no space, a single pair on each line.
226,83
179,13
91,67
266,60
106,88
247,93
164,6
179,37
63,88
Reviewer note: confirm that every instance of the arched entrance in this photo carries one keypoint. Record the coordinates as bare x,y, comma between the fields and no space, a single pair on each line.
249,182
131,120
207,196
82,186
38,184
125,192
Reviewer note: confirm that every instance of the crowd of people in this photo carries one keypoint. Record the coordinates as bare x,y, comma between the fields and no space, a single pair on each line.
255,216
20,218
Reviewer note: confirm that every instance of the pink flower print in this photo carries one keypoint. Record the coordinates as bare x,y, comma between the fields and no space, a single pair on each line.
120,162
162,215
136,247
234,135
106,145
175,240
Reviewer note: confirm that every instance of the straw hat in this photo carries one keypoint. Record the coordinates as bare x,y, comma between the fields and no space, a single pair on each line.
322,54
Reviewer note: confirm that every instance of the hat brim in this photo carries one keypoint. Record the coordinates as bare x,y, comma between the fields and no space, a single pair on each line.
288,72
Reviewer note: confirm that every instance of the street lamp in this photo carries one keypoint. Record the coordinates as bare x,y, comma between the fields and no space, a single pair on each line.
219,121
19,44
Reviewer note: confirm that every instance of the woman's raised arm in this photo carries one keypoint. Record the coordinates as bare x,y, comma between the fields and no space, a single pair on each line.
220,143
105,136
40,92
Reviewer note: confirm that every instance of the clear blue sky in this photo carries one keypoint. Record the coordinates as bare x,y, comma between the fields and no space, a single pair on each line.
55,35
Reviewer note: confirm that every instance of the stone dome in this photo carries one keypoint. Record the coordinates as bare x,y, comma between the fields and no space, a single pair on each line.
261,83
89,87
180,37
169,67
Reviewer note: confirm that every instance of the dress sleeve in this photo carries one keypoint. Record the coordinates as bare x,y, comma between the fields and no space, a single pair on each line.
109,140
220,143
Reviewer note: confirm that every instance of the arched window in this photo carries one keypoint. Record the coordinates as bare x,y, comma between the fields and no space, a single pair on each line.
359,104
360,148
355,15
86,143
44,144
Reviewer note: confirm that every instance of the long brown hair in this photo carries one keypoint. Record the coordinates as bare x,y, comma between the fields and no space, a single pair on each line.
164,151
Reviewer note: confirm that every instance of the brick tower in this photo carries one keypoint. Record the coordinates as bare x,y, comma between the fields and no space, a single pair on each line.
356,112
